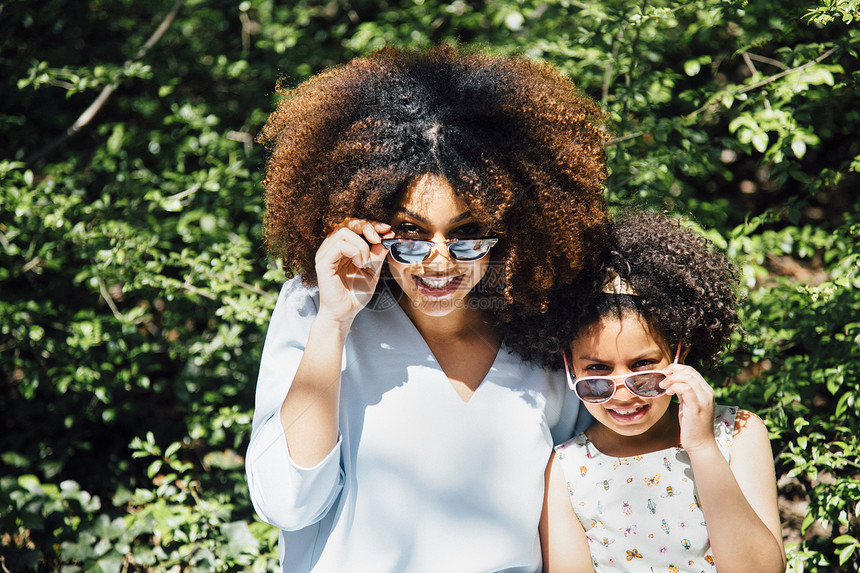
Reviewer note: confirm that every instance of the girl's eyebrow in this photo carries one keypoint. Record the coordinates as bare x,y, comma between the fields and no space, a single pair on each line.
457,219
650,354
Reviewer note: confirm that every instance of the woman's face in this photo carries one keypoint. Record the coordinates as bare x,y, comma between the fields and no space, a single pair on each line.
430,210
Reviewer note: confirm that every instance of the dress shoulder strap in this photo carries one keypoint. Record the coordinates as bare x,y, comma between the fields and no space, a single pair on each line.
724,427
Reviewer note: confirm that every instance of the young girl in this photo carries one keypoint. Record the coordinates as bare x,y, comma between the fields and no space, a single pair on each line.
656,484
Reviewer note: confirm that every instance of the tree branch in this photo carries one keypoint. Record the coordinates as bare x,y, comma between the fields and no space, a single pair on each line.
109,300
108,90
775,77
767,80
766,60
748,88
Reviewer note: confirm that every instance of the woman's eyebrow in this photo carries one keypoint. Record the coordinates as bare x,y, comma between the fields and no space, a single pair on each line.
460,217
457,219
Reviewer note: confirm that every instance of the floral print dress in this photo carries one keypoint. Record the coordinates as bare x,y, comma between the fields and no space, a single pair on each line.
642,513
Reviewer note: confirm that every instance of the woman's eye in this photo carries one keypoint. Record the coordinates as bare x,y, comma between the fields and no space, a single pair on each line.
468,231
643,364
408,229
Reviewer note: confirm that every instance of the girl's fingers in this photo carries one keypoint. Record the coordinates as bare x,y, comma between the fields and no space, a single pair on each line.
691,392
696,410
689,386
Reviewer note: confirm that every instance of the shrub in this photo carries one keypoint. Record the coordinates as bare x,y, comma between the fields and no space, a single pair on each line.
134,293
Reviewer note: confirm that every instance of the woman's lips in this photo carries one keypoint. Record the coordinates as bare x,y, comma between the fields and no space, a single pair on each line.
437,287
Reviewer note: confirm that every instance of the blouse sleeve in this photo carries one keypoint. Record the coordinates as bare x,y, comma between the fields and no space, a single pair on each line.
283,493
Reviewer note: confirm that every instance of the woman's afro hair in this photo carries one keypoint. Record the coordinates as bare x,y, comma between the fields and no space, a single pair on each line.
685,290
516,140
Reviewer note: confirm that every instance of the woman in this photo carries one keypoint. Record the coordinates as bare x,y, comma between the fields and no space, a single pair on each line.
394,430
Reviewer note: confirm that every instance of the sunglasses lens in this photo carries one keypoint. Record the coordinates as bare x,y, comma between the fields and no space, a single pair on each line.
470,249
646,385
406,251
414,251
595,389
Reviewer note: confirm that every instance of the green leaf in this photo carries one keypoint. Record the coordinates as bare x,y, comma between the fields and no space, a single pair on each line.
759,140
692,67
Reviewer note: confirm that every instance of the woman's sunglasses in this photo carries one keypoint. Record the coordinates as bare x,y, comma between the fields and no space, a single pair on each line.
600,389
414,251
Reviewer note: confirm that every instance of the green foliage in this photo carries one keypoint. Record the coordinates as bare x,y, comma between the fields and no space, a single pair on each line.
134,293
800,358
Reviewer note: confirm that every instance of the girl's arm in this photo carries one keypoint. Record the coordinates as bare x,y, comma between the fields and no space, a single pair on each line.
739,500
563,543
348,265
739,497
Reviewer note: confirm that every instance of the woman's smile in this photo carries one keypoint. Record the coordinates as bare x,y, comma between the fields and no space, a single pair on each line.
438,286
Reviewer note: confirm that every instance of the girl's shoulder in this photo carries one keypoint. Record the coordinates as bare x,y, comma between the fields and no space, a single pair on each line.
749,432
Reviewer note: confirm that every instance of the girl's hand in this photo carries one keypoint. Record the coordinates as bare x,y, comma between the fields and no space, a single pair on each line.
696,412
348,264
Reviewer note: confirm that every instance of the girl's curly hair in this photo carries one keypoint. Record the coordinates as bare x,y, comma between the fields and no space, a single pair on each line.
516,140
685,290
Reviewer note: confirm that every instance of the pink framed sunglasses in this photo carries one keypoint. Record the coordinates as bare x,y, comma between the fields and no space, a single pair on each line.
600,389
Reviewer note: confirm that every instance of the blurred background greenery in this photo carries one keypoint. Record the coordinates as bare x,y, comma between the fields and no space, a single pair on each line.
134,291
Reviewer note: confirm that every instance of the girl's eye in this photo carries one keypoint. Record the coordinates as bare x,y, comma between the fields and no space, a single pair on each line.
645,364
595,369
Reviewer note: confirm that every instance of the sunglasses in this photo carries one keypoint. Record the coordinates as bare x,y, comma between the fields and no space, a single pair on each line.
413,251
600,389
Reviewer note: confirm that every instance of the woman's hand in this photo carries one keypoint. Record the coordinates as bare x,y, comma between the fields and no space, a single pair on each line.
348,264
696,412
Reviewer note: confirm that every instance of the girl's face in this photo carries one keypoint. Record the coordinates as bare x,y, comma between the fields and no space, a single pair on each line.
430,210
622,346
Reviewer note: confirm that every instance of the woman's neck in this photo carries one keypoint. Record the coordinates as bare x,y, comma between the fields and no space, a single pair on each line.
462,323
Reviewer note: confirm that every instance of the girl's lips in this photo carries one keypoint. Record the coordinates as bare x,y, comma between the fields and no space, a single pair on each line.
629,413
437,287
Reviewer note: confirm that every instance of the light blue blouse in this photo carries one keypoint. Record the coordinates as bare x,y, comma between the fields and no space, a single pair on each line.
420,480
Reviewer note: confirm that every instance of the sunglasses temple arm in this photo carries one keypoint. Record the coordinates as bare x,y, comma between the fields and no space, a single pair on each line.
678,352
567,370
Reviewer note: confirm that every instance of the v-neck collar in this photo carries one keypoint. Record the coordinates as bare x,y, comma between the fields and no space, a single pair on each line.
428,352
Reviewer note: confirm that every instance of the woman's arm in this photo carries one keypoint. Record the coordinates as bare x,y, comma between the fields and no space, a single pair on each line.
348,264
564,545
283,493
293,460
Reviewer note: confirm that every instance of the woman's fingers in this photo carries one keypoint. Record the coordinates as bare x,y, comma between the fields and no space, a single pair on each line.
339,247
348,265
372,231
358,240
